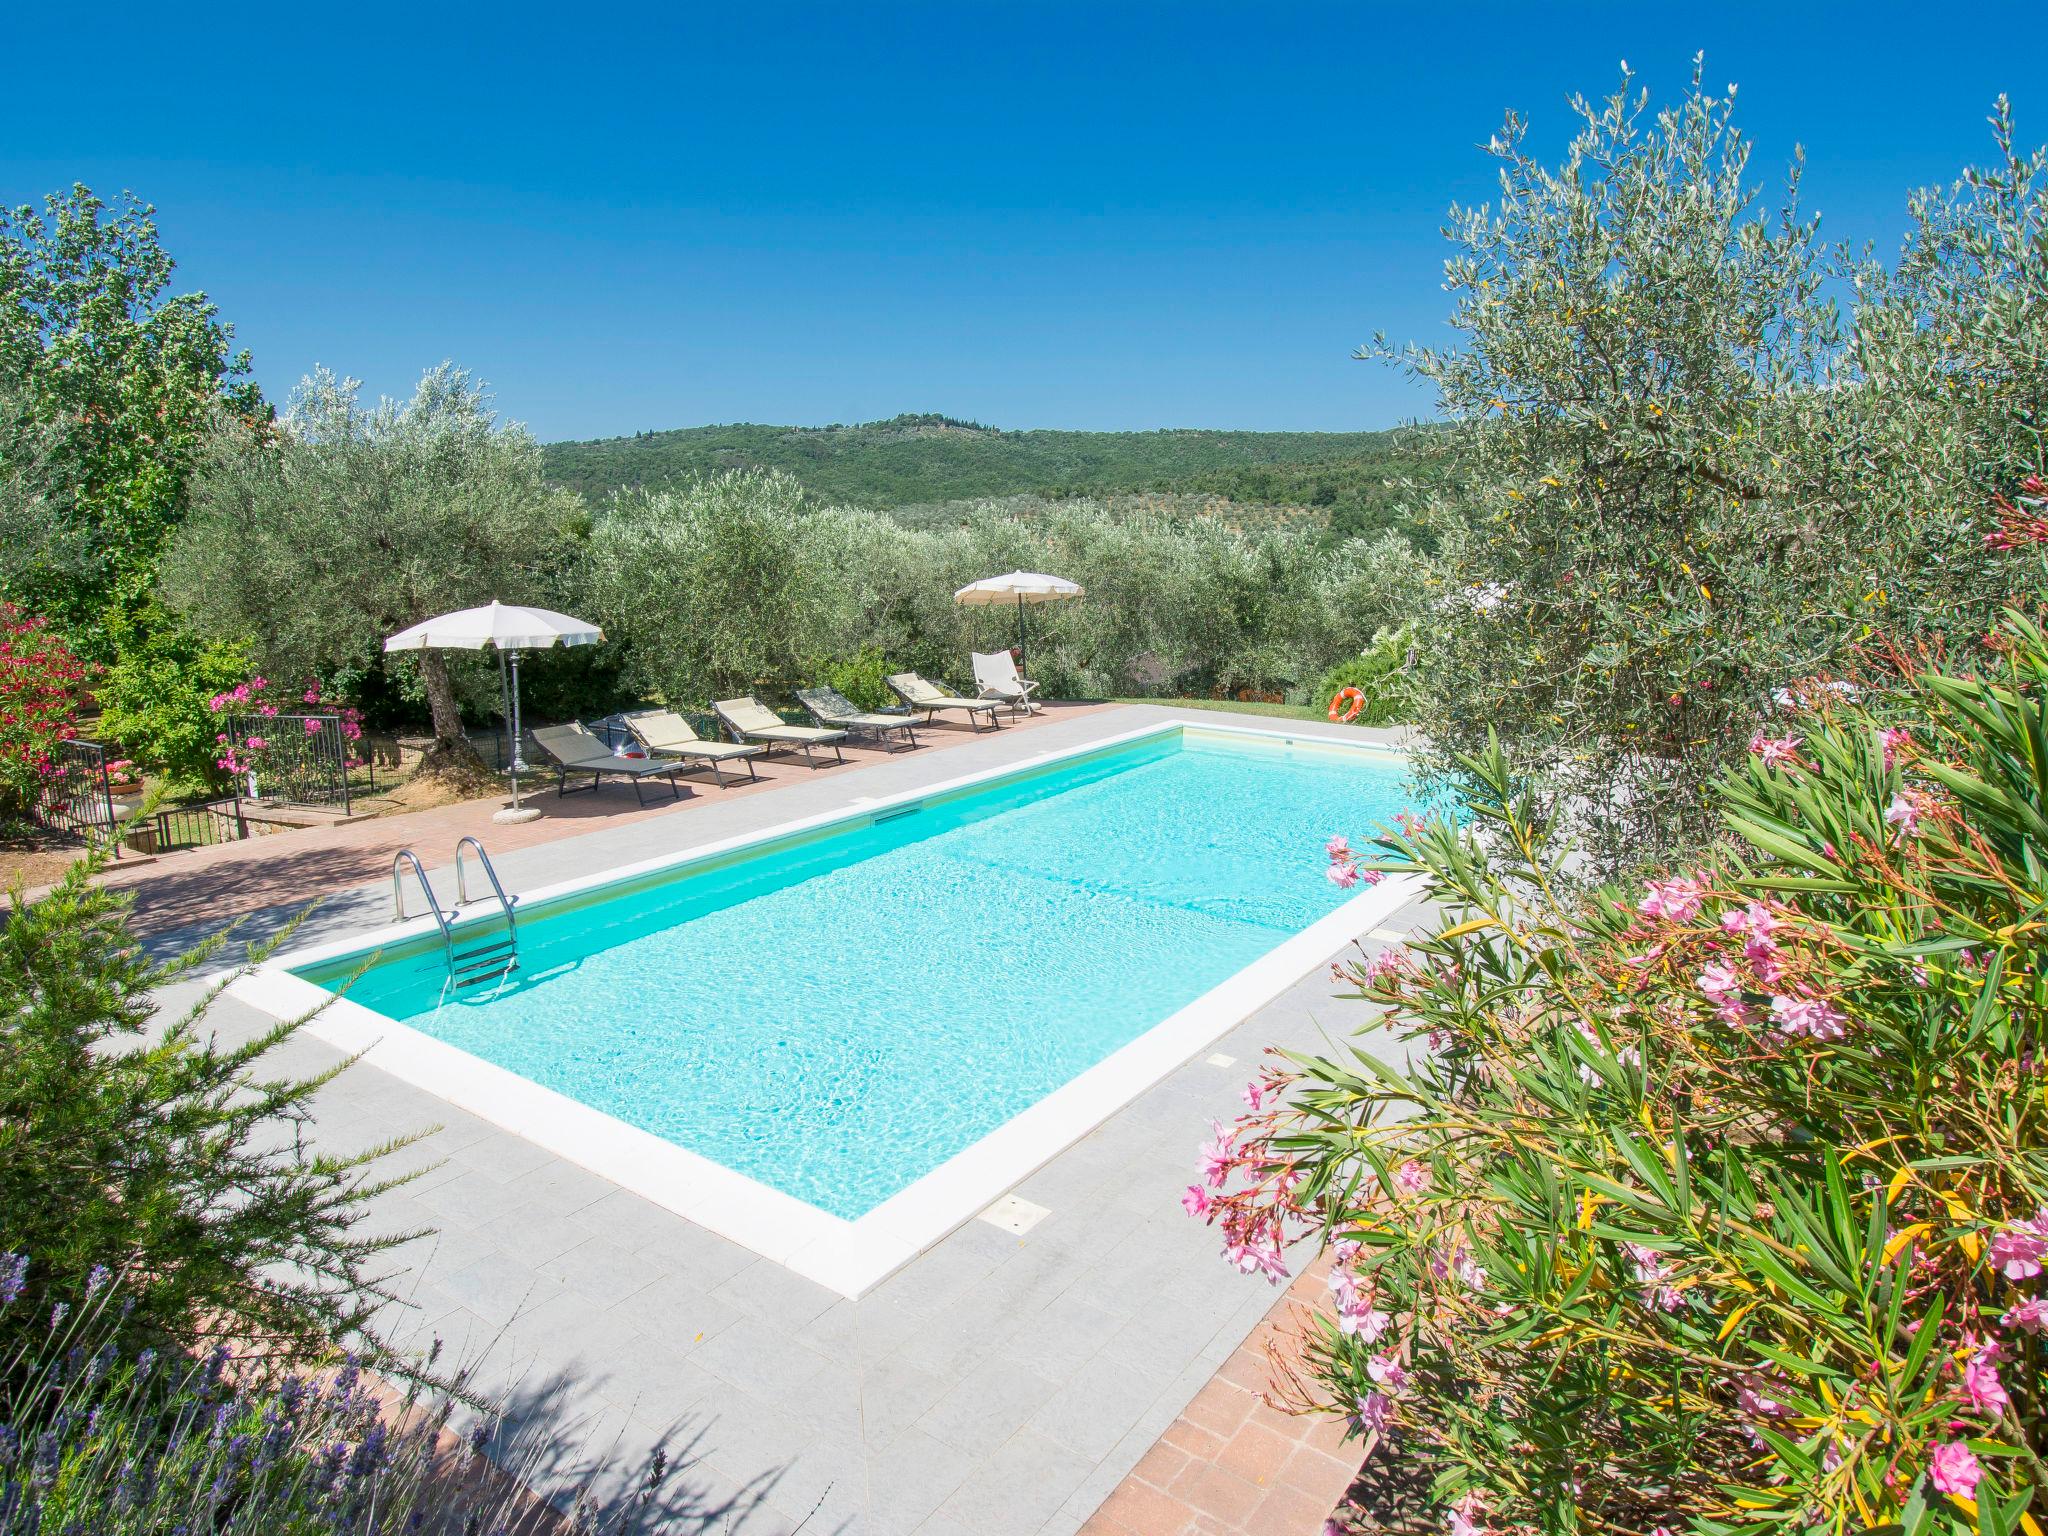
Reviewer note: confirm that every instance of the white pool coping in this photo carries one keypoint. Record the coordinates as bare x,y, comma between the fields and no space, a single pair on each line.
846,1256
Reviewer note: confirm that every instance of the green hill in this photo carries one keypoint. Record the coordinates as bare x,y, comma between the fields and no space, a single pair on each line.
923,460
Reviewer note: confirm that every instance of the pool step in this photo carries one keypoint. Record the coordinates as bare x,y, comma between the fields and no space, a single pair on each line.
487,962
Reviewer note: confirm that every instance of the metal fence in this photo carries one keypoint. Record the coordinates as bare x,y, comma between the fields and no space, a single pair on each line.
294,759
76,798
198,826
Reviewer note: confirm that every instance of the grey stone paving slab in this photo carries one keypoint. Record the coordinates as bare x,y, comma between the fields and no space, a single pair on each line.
1019,1487
997,1383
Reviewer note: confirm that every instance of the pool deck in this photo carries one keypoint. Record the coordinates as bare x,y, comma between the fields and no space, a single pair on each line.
1001,1382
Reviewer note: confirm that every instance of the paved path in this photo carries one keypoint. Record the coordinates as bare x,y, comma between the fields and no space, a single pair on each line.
1231,1464
285,870
997,1384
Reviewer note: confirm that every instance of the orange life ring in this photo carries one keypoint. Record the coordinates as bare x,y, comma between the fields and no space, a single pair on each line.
1357,698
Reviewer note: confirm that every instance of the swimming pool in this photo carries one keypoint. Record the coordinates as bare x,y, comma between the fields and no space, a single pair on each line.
841,1011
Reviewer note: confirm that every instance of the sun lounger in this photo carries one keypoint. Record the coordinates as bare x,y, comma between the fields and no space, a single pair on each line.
833,709
665,733
751,720
996,676
576,750
932,697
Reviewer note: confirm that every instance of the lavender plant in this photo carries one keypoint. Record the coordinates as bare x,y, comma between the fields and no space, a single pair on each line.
1719,1203
100,1437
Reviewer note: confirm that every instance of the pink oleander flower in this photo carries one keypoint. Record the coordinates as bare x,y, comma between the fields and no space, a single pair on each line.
1358,1318
1981,1386
2017,1252
1776,751
1735,1014
1385,965
1896,739
312,695
1751,921
1904,814
1338,848
1471,1274
312,727
1343,876
1388,1374
1411,1178
1954,1469
2029,1316
1811,1016
1753,1397
256,743
1375,1410
1467,1517
1677,900
1254,1095
1718,982
1259,1257
1196,1201
1217,1153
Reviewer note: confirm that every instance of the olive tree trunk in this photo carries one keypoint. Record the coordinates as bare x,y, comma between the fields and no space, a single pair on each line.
451,756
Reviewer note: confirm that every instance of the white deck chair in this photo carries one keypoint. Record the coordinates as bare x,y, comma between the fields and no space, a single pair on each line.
996,676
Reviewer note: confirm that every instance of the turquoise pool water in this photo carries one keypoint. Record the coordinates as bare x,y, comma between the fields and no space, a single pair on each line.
839,1014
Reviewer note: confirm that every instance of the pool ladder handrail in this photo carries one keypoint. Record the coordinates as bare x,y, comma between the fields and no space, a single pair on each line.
484,962
399,860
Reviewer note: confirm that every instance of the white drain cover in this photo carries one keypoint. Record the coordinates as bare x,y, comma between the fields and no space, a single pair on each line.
1014,1215
1221,1060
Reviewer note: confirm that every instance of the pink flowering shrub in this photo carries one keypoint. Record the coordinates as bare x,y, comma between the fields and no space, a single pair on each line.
1718,1202
257,698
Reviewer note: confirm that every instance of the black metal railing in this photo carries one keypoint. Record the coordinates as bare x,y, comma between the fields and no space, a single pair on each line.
200,826
292,759
75,798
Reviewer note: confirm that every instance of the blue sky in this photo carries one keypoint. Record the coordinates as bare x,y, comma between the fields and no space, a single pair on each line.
1037,215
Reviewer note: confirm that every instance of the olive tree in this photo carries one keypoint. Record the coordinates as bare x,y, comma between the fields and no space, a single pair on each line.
1680,463
344,523
706,584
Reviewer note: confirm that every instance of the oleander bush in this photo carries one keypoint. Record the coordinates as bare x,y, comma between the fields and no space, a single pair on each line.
42,688
1719,1203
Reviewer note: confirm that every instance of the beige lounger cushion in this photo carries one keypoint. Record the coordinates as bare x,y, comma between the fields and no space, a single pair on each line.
663,730
750,717
915,690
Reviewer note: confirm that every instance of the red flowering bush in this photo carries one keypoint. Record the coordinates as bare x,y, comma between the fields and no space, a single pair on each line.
1720,1203
42,686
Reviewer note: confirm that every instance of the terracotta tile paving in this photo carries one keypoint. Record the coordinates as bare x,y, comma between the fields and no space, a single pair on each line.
229,880
1232,1464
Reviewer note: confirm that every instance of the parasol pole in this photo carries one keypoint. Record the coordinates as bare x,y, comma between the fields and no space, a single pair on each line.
518,766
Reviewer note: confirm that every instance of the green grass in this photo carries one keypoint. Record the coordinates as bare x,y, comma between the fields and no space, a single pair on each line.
1276,711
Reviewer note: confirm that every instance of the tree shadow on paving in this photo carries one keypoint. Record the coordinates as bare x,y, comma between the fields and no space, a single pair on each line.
578,1455
174,911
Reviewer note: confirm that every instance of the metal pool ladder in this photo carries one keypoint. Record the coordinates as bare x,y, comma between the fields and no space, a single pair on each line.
481,962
